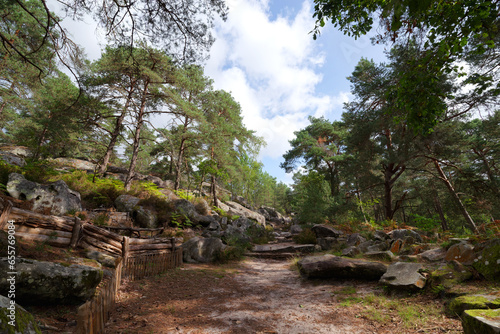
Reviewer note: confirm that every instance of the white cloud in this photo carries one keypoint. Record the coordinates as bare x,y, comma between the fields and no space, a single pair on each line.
271,67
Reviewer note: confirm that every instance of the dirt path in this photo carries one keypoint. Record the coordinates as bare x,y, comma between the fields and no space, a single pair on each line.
256,296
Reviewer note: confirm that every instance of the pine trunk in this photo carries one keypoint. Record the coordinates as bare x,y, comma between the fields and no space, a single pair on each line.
454,194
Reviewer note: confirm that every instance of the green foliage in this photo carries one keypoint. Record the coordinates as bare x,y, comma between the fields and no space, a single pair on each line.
307,236
184,194
101,220
235,250
424,223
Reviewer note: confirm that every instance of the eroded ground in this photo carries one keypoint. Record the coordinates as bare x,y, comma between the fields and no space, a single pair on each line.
266,296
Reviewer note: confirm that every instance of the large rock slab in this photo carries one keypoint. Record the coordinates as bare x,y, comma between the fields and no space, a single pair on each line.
433,255
76,164
235,209
450,274
325,231
403,233
487,261
40,282
15,319
403,275
472,302
143,217
188,209
201,250
481,321
462,252
55,197
12,159
331,266
271,214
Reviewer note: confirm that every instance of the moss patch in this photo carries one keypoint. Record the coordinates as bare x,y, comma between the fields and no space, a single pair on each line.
472,302
24,321
481,321
488,262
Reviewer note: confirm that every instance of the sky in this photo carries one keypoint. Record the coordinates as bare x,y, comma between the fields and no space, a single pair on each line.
265,56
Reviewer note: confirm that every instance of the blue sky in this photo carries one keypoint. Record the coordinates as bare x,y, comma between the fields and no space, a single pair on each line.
265,56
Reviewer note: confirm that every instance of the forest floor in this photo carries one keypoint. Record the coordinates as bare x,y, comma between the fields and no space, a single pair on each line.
269,296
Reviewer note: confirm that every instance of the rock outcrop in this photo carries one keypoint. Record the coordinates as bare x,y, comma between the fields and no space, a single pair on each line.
187,208
401,275
481,321
142,216
201,250
235,209
15,319
40,282
56,197
487,260
331,266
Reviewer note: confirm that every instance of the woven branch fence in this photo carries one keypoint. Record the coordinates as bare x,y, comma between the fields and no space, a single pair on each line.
139,257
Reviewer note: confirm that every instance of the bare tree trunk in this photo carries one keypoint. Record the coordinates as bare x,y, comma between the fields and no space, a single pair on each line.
453,193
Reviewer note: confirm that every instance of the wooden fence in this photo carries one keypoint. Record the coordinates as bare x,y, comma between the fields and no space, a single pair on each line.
141,266
93,315
139,258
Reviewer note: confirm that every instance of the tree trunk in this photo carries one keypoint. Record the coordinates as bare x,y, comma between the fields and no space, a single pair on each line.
214,192
116,133
454,194
114,138
137,138
439,209
391,175
178,165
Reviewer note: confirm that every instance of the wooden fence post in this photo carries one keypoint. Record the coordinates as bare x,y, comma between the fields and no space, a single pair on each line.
5,214
75,236
125,249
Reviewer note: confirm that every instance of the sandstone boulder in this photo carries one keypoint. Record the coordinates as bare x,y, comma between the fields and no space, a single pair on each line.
433,255
187,208
481,321
40,282
402,233
104,259
55,197
201,250
325,231
487,259
331,266
472,302
12,159
235,209
355,239
450,274
12,314
462,252
401,275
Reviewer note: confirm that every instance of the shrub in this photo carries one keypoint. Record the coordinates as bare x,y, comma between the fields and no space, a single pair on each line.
235,250
260,235
307,236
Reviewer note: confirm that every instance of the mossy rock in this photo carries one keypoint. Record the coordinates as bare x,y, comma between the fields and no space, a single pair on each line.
450,275
487,263
23,321
472,302
481,321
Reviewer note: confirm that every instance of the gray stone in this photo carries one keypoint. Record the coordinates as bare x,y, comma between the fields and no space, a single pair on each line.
145,217
403,275
325,231
380,235
39,282
402,233
329,243
383,256
295,229
377,246
355,239
363,247
187,208
235,209
55,197
76,164
202,250
126,203
351,251
462,252
18,320
12,159
271,214
433,255
331,266
20,151
481,321
487,260
104,259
